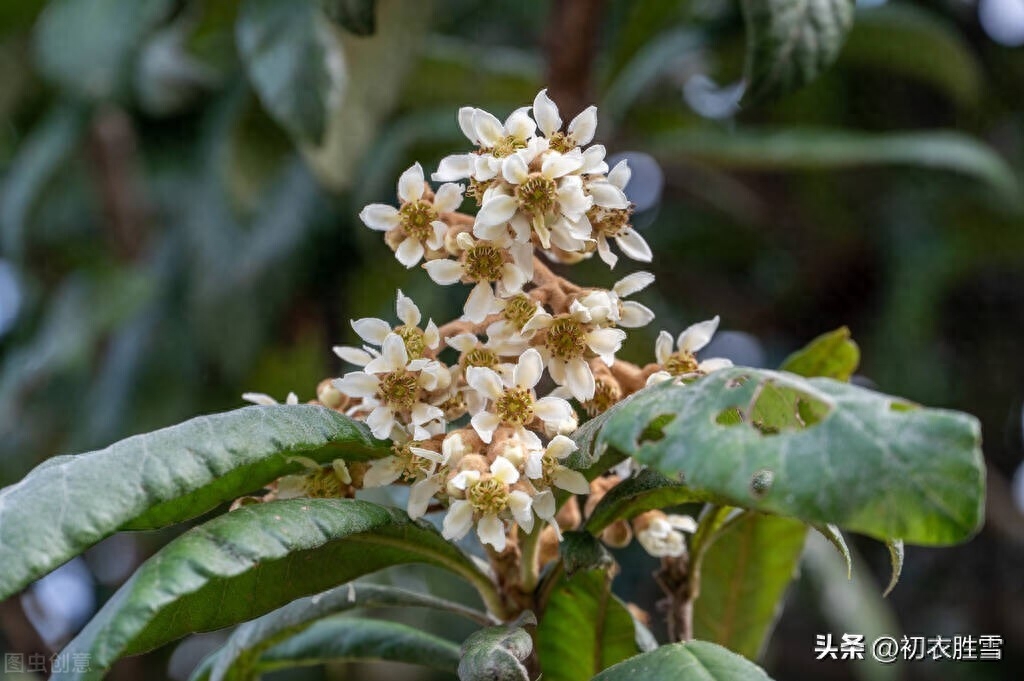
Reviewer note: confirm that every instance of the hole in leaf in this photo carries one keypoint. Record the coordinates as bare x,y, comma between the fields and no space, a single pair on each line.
780,408
761,482
737,382
655,429
903,406
729,417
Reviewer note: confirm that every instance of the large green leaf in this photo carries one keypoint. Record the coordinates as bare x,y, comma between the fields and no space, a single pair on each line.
294,62
832,149
498,653
831,355
691,661
790,42
744,575
252,560
815,449
343,639
240,655
69,503
88,47
584,628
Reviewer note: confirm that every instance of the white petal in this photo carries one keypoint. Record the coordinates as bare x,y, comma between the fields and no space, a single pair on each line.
497,210
503,470
455,167
714,364
480,303
485,423
353,355
379,216
633,315
512,278
491,531
580,380
633,245
572,202
394,353
409,252
463,342
544,505
444,271
593,160
358,384
635,282
561,447
529,369
466,123
541,320
458,521
546,113
519,503
381,420
552,409
557,165
410,184
607,195
534,467
407,310
382,472
424,413
620,174
657,377
663,347
604,252
485,381
520,125
570,480
606,342
261,399
448,197
485,168
432,335
698,335
420,495
582,128
489,129
514,170
683,523
371,329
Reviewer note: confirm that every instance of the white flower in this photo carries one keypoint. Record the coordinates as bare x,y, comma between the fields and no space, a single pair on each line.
315,481
516,405
393,387
488,500
684,361
609,218
494,139
580,132
607,307
416,222
413,462
663,536
483,263
544,466
265,400
374,331
568,338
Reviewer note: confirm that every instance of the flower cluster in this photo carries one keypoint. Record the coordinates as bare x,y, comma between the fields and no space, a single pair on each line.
479,410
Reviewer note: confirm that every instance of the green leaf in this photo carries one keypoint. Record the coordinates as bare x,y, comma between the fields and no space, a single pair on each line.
584,628
343,639
293,62
69,503
815,449
791,42
895,547
836,539
645,491
497,653
744,575
88,47
582,551
831,355
690,661
905,40
831,149
252,560
240,655
355,16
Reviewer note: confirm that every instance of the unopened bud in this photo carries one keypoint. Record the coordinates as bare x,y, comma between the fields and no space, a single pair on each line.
617,535
328,395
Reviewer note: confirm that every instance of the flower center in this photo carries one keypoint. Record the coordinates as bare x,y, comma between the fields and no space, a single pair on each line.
519,310
566,339
682,362
606,394
324,484
489,497
548,464
413,467
484,262
415,218
507,146
560,142
611,222
515,407
399,389
415,342
454,406
477,188
480,357
537,195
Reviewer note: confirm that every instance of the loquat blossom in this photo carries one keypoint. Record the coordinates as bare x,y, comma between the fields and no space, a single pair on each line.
495,141
373,331
487,500
662,535
415,226
608,306
609,218
579,133
544,465
684,361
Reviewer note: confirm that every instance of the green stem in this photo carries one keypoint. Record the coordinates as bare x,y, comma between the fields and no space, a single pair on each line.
529,567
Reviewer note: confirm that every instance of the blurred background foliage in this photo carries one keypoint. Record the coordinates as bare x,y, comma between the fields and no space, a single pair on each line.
181,179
